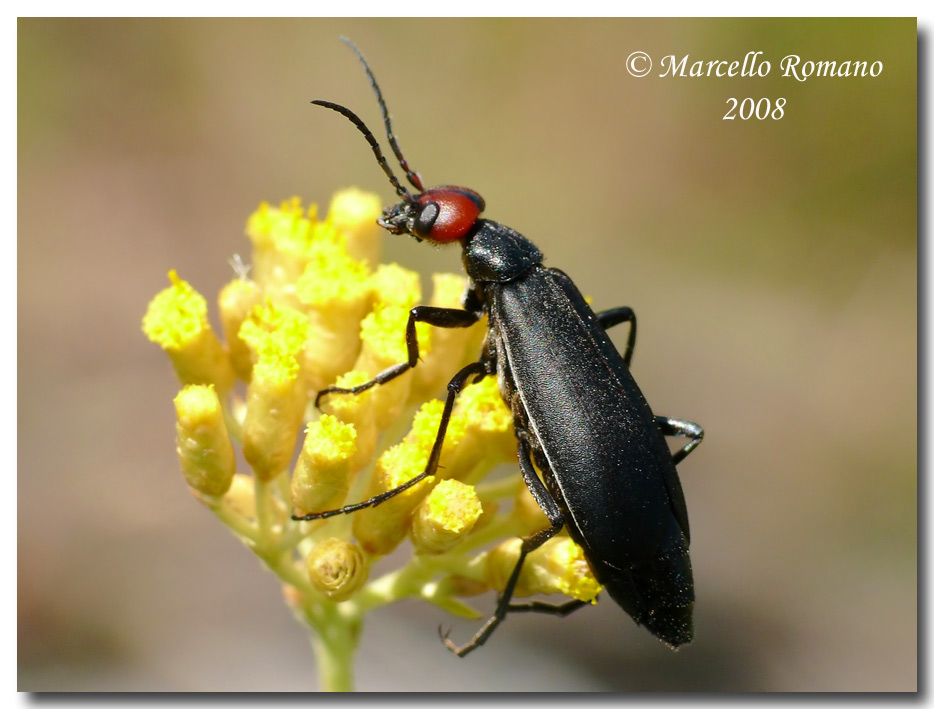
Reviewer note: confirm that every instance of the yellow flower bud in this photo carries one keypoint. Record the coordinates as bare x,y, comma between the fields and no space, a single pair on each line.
281,237
356,410
275,331
382,334
337,568
488,417
204,448
424,432
394,285
177,321
558,566
275,404
380,529
322,473
445,517
334,291
236,300
354,212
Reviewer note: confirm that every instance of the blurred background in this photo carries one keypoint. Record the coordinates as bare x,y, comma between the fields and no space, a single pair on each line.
772,264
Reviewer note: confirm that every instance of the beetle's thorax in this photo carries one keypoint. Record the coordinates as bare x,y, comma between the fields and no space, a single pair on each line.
494,253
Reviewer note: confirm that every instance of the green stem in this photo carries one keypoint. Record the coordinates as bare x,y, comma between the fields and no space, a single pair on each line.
334,640
240,525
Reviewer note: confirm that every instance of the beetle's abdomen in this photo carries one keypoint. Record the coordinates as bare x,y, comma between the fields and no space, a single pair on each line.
659,592
605,455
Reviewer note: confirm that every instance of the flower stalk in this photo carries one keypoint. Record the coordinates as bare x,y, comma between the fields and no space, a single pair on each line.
315,309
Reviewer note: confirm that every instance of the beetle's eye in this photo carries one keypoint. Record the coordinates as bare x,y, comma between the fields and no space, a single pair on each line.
426,219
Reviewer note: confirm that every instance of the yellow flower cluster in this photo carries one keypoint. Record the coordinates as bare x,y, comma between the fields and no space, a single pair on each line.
318,310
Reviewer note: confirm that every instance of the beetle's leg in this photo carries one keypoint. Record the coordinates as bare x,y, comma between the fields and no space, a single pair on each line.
615,316
559,609
529,544
680,427
454,388
439,317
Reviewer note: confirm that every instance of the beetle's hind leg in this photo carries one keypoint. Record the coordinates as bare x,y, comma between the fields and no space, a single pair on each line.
680,427
529,544
438,317
559,609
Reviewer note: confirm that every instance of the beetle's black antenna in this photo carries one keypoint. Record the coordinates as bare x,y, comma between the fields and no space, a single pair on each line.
368,134
413,177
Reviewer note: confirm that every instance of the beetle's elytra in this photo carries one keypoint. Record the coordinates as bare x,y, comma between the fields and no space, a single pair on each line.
607,473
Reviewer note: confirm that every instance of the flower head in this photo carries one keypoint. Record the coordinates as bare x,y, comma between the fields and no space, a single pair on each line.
317,310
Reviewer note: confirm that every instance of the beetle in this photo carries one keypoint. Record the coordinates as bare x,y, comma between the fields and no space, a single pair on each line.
607,473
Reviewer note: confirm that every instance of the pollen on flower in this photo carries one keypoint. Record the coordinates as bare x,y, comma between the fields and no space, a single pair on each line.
394,285
425,426
445,517
383,345
332,275
177,321
275,405
569,566
380,529
358,411
401,463
176,316
284,228
322,475
558,566
383,335
482,407
276,367
285,238
274,331
488,437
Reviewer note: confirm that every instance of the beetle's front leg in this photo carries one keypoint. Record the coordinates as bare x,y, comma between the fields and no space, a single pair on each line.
438,317
529,544
476,370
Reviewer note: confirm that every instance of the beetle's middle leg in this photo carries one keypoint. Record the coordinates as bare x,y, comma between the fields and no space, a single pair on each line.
529,544
438,317
615,316
472,372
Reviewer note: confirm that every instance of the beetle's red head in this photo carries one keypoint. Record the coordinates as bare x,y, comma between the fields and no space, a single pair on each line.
441,215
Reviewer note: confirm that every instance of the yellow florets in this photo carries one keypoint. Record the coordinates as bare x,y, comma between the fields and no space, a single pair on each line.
284,228
177,321
332,275
316,310
177,316
273,331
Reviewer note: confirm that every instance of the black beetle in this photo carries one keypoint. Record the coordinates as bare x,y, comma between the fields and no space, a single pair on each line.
609,476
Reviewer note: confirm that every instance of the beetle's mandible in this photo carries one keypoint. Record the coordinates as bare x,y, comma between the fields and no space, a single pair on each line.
607,474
